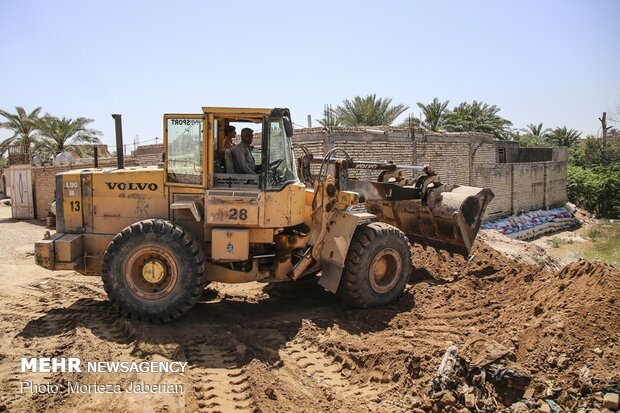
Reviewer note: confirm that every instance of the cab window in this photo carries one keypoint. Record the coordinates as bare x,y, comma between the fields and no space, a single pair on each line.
281,168
184,155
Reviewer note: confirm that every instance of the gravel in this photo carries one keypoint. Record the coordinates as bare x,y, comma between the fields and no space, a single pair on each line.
17,237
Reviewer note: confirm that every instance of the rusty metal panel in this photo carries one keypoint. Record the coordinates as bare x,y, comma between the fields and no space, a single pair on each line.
123,197
87,202
230,244
334,252
261,236
230,208
77,265
447,218
338,237
72,204
285,208
69,247
44,253
94,247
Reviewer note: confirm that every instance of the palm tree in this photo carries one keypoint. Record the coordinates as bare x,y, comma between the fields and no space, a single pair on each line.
563,136
433,114
368,111
59,134
330,118
23,126
537,130
534,135
410,122
476,117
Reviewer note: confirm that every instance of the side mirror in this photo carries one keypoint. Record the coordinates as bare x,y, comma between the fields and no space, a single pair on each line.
288,126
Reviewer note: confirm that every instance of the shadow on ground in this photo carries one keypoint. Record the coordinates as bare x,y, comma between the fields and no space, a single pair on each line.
220,331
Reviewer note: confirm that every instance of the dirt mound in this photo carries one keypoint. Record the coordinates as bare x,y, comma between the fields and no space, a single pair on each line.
518,330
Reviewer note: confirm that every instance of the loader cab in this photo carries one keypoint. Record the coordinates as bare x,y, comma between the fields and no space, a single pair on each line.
195,155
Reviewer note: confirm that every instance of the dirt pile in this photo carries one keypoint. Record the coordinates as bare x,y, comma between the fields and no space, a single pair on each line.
562,327
522,333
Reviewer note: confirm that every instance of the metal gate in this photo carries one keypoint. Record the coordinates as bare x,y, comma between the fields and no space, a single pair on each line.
21,191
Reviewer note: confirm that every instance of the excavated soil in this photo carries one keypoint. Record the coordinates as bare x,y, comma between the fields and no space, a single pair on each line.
257,349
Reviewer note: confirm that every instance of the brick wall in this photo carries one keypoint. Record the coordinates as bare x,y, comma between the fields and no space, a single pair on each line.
528,186
459,158
498,177
44,182
556,183
360,145
148,154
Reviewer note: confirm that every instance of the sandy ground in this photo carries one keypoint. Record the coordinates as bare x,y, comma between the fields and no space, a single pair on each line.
555,335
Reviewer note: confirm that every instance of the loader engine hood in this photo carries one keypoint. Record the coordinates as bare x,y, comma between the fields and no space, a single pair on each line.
445,217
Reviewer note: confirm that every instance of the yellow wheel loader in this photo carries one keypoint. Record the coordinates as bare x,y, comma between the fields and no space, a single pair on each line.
158,235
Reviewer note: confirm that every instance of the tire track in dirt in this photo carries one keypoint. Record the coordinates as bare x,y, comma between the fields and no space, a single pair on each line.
325,371
54,318
220,382
75,307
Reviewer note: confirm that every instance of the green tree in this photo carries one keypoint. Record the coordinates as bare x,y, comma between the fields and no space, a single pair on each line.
534,135
477,117
330,118
596,189
368,111
23,126
410,122
591,151
434,114
59,134
594,176
563,136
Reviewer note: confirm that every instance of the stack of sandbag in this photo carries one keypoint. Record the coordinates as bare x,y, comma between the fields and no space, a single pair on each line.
533,223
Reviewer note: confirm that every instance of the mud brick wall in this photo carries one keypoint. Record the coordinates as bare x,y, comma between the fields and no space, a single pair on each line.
148,155
459,158
498,177
44,182
555,184
449,159
528,186
455,156
360,145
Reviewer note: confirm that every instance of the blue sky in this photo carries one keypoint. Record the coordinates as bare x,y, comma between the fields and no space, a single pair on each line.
556,62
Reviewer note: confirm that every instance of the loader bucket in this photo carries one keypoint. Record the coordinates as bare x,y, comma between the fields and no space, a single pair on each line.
447,217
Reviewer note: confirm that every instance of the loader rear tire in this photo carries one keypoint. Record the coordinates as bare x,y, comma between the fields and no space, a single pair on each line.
154,271
377,266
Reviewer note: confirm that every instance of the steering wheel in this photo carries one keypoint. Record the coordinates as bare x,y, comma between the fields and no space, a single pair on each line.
275,177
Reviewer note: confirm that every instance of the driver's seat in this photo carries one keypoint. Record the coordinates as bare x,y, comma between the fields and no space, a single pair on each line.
229,164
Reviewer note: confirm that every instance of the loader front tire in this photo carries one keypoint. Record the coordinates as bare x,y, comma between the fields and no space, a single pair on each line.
377,266
154,271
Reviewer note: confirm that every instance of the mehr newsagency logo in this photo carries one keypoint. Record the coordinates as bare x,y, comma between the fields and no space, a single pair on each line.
75,365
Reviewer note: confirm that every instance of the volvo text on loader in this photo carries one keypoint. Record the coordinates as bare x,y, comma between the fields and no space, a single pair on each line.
158,235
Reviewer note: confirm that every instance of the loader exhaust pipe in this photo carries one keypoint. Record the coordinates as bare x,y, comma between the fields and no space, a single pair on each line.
120,156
